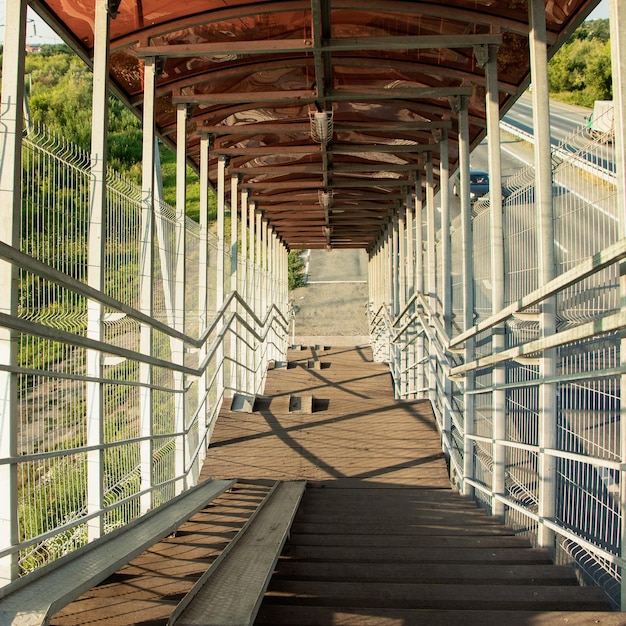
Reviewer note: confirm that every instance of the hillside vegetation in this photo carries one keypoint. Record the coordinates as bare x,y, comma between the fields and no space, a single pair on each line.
580,72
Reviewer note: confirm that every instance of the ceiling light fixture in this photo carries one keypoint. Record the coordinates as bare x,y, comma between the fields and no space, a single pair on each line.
325,198
321,126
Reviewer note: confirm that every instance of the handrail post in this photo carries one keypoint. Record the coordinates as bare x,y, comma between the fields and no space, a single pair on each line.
235,363
401,351
203,290
431,275
468,293
418,277
146,263
498,400
244,286
618,59
545,220
446,264
410,290
221,277
12,118
180,255
95,269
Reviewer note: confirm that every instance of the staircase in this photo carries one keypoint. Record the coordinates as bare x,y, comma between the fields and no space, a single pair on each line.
370,556
379,537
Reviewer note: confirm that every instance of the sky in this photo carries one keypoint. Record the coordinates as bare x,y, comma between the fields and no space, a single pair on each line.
38,32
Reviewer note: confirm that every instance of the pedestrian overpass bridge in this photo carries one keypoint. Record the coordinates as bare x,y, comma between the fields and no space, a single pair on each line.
140,348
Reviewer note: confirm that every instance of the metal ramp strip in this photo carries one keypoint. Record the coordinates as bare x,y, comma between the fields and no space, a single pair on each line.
231,591
33,603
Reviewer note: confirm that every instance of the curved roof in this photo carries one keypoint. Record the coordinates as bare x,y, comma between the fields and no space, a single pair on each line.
270,79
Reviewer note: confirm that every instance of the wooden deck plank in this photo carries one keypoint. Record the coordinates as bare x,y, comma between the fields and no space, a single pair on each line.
356,432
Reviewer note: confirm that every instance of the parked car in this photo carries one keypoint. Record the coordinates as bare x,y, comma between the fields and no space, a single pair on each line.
479,185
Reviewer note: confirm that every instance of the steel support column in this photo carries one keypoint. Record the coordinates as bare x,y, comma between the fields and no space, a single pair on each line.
545,221
203,292
618,59
235,364
180,250
420,385
146,263
410,291
445,261
446,244
467,272
221,274
245,364
11,123
431,274
492,106
264,272
402,299
95,268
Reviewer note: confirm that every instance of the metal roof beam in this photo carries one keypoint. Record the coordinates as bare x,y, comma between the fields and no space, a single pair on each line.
284,46
306,96
319,184
287,127
314,168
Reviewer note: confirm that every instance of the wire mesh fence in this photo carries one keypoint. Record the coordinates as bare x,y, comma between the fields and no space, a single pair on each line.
550,410
157,392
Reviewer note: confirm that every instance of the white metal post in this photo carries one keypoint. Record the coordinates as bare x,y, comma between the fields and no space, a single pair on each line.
492,106
258,262
180,249
244,287
221,191
468,291
431,273
410,286
95,267
446,262
618,60
203,290
418,278
146,262
264,275
402,348
395,269
446,244
255,296
11,122
545,220
235,363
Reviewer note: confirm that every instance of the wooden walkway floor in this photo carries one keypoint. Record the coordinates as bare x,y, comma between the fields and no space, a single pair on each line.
357,432
379,538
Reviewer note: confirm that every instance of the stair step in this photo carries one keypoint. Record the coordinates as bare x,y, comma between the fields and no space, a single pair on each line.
449,597
436,541
392,529
417,555
399,518
270,615
433,573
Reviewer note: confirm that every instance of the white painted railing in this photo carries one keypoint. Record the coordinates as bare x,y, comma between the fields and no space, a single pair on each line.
157,400
553,474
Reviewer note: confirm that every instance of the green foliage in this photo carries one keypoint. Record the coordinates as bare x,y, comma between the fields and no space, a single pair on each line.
296,276
580,72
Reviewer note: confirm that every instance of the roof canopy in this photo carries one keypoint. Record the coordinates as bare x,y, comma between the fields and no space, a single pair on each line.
325,109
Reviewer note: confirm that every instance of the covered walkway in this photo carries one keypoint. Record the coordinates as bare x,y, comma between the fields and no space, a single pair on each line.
127,330
379,537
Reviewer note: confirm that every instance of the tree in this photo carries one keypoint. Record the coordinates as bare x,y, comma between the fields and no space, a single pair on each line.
580,71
